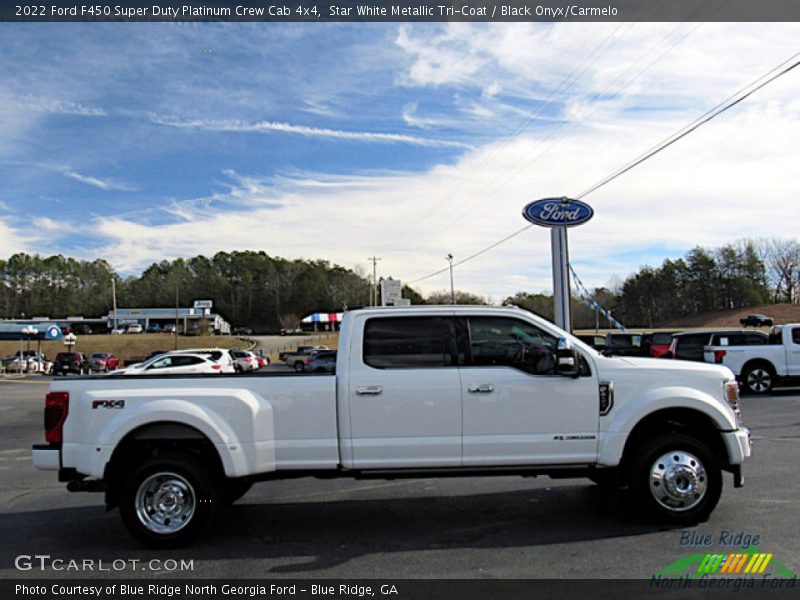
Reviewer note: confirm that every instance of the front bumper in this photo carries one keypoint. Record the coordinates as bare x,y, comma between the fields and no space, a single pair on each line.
738,445
46,457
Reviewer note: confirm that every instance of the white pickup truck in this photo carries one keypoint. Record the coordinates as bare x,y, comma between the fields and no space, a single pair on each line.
418,392
759,367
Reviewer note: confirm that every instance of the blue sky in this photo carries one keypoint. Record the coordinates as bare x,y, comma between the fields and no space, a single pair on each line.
139,142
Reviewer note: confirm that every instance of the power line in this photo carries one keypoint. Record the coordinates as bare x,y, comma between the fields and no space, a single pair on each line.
720,108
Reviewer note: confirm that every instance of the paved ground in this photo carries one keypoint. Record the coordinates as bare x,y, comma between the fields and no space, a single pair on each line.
506,527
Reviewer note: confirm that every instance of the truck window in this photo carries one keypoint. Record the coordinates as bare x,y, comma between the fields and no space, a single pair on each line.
409,342
505,342
796,335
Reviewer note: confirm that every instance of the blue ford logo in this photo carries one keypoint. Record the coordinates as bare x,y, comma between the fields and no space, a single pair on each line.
53,333
556,212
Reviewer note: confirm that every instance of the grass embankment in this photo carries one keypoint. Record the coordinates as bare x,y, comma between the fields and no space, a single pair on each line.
127,347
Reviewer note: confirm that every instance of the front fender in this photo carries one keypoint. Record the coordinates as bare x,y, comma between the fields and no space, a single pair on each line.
239,424
623,421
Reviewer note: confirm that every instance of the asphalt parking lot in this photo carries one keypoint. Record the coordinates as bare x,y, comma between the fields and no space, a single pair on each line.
503,527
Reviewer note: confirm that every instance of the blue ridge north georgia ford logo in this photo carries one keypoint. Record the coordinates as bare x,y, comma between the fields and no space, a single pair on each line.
558,212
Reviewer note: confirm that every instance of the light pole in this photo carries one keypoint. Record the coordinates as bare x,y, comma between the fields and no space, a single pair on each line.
114,301
449,258
27,331
69,341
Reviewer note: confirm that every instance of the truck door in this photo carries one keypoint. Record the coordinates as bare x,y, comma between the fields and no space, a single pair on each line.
516,409
404,394
793,353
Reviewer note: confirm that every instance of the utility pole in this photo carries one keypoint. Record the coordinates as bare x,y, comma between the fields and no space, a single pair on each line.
177,289
374,296
449,258
114,299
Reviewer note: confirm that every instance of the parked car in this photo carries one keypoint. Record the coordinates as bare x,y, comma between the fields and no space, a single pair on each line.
222,356
689,345
596,340
759,362
134,328
658,343
168,328
242,331
33,361
103,361
410,397
71,362
263,361
244,361
623,344
756,321
118,331
297,359
322,362
174,363
154,328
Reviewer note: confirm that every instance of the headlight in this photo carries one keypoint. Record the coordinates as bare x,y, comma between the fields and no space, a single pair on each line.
731,393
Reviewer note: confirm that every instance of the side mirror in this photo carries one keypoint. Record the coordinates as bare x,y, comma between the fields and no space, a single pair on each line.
568,362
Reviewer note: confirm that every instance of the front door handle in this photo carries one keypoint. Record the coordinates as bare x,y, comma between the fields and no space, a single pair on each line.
371,390
484,388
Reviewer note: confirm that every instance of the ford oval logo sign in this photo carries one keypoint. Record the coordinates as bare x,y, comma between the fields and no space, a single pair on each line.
558,212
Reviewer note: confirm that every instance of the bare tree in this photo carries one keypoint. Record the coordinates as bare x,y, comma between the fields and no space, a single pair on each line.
782,258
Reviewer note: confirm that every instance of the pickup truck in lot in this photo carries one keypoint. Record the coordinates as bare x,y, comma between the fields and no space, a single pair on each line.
761,366
418,392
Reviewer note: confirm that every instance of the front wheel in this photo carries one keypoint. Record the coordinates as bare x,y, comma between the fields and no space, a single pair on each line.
678,479
168,499
758,379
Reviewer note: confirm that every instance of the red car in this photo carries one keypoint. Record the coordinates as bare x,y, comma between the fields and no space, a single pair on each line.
660,344
103,361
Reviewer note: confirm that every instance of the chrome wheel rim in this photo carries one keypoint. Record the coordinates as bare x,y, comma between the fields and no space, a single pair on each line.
165,503
678,481
759,380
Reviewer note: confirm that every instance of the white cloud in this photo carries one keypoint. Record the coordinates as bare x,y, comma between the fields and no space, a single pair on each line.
103,184
237,126
12,240
708,190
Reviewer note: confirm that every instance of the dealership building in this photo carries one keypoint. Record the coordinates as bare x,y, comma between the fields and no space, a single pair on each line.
197,320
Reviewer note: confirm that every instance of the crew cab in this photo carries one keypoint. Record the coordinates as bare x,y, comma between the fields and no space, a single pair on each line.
418,392
761,362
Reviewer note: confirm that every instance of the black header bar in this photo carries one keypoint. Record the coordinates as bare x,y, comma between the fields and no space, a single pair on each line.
549,11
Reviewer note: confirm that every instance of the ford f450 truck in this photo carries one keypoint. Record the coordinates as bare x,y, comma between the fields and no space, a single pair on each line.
418,392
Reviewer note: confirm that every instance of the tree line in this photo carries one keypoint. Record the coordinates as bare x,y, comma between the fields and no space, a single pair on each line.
267,293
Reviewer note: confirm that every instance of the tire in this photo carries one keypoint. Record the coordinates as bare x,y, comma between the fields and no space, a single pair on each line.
187,493
758,379
235,489
677,479
299,367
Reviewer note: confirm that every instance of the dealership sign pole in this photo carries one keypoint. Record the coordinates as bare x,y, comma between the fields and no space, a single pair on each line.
558,214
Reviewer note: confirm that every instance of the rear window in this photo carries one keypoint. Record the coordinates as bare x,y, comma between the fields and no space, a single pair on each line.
214,355
796,335
408,342
662,339
693,339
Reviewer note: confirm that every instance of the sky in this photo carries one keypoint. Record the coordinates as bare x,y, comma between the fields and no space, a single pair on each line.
138,142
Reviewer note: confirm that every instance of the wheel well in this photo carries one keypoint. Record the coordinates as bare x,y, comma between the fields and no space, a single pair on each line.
151,440
758,362
674,420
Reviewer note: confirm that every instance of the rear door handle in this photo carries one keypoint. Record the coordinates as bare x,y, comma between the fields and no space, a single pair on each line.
484,388
371,390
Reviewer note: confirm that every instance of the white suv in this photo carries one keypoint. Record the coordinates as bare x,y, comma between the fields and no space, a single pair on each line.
221,356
